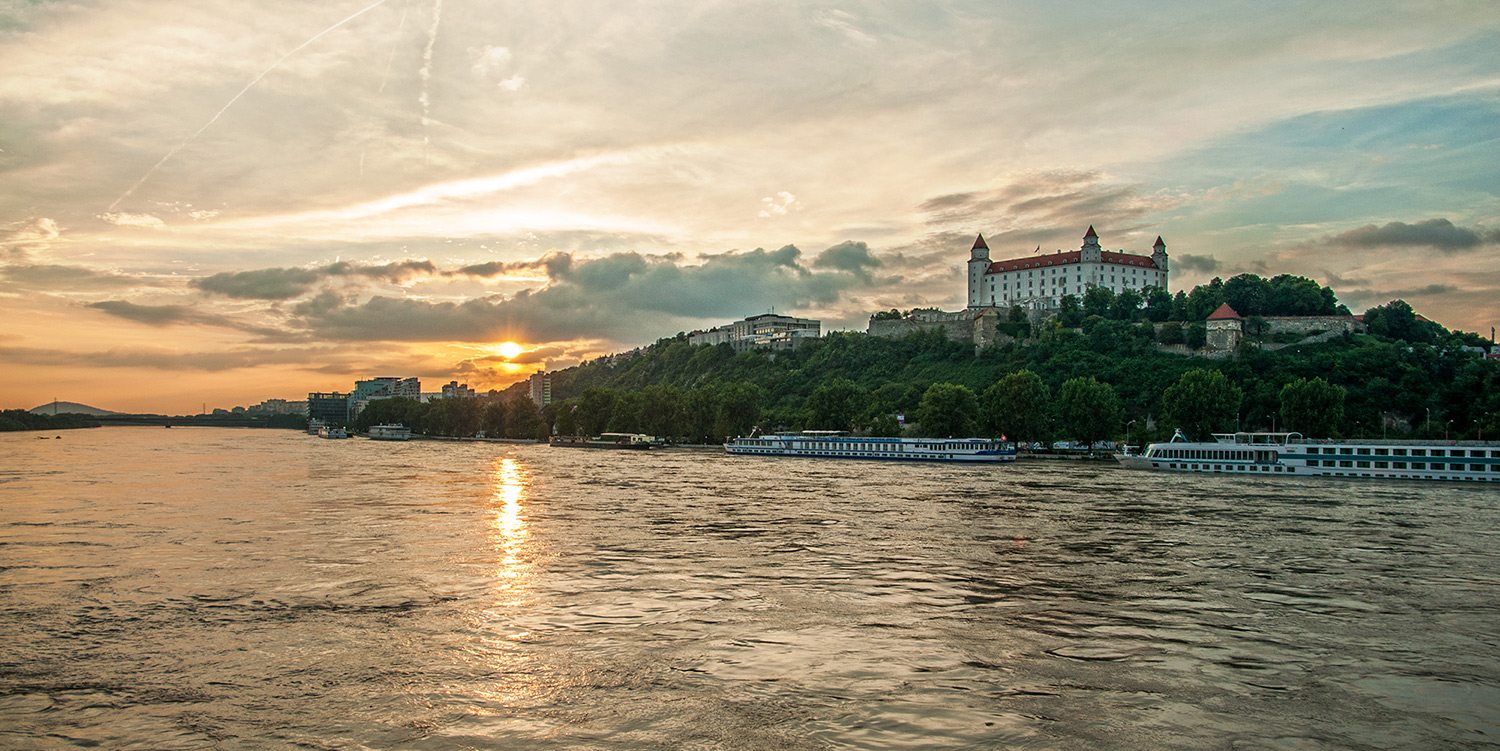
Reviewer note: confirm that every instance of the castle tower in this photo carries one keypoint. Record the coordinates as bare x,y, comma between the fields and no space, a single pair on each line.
1091,252
979,262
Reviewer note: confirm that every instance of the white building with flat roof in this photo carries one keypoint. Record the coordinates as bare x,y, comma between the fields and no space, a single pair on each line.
764,331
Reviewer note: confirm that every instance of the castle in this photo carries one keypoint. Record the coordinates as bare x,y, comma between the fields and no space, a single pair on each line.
1039,282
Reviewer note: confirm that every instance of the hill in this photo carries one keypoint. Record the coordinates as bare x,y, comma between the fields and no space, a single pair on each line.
69,408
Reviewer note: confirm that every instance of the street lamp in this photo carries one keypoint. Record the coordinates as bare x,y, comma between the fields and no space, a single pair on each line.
1427,426
1446,427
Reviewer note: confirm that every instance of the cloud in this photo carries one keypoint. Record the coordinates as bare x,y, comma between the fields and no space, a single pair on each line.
162,359
52,276
618,297
123,219
851,257
778,205
1193,263
287,283
1044,207
171,315
20,239
1440,234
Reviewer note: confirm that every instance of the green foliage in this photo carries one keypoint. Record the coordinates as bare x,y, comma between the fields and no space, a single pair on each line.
948,410
1016,324
1158,305
1202,402
1127,306
1070,311
1171,333
20,419
887,315
1396,320
1016,407
1098,301
834,405
1195,335
1087,409
739,407
1312,407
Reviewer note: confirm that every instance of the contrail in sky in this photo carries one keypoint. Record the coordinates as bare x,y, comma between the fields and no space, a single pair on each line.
236,98
392,58
426,72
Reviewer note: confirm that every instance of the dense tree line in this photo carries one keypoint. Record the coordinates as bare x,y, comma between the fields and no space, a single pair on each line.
1104,378
498,416
20,419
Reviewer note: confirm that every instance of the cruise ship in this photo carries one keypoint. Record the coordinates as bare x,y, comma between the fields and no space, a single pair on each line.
389,433
1292,454
840,445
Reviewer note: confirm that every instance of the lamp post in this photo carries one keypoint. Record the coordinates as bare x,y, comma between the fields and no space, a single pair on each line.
1427,426
1128,426
1448,426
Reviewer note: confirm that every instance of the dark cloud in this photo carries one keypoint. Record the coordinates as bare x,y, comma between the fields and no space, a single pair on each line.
851,257
1192,263
1439,234
287,283
620,297
170,315
1363,298
63,277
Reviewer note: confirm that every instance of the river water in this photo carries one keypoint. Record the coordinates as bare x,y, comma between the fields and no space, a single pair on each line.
239,589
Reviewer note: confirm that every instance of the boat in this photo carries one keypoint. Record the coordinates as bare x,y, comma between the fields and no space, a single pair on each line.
837,444
328,431
1282,454
389,433
314,425
633,441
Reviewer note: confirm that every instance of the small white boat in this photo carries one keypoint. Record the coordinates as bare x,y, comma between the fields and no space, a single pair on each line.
332,432
389,433
833,444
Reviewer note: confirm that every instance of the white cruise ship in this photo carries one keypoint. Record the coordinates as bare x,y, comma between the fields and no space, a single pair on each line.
1292,454
389,433
840,445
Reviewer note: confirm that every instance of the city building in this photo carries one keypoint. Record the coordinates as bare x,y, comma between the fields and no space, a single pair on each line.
279,407
454,389
540,389
331,408
1225,328
382,387
765,331
1039,281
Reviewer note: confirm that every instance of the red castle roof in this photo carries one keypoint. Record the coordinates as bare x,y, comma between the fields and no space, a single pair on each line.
1090,233
1223,312
1072,256
979,243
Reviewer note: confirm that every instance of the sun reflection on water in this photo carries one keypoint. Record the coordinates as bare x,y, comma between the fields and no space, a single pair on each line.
510,532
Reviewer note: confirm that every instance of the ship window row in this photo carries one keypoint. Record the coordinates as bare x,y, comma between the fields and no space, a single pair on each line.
1228,467
1209,454
1472,453
1438,466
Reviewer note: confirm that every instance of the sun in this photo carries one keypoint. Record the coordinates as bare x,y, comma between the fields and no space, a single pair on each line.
509,350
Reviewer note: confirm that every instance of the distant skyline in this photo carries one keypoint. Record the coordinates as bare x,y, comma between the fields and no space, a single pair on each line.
225,202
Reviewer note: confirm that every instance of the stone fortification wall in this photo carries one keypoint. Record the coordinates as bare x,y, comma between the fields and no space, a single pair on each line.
976,326
1314,324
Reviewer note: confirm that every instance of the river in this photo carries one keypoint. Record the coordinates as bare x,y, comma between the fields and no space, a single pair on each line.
247,589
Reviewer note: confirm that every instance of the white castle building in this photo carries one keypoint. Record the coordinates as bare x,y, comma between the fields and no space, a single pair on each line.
1039,281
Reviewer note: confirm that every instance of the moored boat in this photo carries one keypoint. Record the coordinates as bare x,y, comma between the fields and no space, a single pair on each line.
328,431
1292,454
389,433
840,445
635,441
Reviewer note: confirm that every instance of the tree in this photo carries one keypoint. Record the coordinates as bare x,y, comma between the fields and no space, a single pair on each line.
1170,333
1097,301
1202,402
1070,311
835,404
1016,323
1158,305
1312,407
1016,406
525,419
947,410
1195,335
1396,320
1087,410
1126,305
595,406
738,409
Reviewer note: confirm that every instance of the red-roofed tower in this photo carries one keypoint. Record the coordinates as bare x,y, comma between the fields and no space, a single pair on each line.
979,262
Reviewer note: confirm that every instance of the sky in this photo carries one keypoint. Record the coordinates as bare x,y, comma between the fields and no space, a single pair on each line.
222,202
